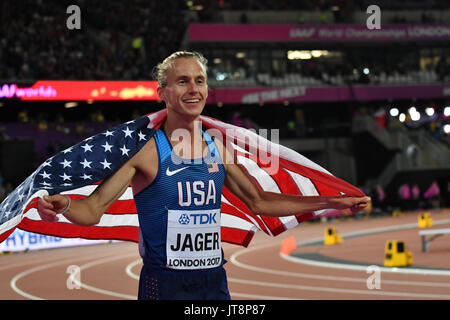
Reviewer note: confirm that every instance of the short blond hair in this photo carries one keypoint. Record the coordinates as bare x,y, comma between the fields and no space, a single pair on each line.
161,70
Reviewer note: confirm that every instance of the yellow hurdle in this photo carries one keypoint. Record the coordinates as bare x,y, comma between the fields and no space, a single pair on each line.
396,255
331,237
424,220
397,213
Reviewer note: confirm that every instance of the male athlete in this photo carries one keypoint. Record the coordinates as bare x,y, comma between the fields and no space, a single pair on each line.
177,190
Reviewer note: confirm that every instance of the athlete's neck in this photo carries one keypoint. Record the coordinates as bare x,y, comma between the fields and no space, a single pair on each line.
185,136
190,126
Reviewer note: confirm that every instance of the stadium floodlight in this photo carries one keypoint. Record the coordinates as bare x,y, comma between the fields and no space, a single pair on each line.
415,116
316,53
298,54
447,128
68,105
394,112
220,76
429,111
447,111
402,117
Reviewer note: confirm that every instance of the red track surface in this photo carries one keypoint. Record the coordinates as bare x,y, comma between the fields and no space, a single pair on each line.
256,272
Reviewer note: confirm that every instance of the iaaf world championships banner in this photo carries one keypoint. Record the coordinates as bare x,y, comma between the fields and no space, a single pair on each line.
294,32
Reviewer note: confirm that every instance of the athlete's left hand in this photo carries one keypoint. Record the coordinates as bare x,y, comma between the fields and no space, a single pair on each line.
355,204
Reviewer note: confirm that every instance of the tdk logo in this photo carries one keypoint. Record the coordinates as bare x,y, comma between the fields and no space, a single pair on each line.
198,218
184,219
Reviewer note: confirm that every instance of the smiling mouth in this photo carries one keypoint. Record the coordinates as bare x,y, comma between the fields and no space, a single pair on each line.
191,101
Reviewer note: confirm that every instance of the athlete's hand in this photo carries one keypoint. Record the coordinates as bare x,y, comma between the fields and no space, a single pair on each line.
50,206
355,204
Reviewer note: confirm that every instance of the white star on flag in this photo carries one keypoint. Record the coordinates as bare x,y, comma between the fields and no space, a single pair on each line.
45,175
86,164
106,164
127,132
46,164
141,136
107,146
108,133
65,177
66,163
124,150
85,177
87,147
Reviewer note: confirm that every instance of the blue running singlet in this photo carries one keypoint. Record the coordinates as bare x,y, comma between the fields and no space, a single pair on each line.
179,218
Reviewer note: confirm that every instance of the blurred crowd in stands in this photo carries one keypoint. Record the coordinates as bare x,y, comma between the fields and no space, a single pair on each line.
117,40
310,5
126,39
410,197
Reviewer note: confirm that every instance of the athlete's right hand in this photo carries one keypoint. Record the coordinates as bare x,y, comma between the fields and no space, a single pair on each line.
50,206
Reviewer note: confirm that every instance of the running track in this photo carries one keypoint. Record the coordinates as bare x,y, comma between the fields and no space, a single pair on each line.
110,271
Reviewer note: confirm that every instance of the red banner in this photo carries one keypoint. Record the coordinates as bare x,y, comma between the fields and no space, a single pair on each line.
82,90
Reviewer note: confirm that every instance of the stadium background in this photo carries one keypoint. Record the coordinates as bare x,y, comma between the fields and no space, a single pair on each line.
379,117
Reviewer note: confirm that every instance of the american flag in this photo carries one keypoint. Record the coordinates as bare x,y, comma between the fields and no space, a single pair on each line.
213,167
78,170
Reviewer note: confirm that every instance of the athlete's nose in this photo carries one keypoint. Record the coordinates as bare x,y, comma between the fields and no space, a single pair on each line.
193,87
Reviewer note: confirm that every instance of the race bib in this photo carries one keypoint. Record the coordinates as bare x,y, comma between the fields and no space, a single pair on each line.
193,239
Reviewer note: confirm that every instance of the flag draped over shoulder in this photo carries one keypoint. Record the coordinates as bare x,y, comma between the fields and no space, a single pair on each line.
78,170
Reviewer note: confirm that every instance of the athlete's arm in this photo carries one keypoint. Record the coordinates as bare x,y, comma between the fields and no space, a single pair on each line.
88,211
139,170
260,202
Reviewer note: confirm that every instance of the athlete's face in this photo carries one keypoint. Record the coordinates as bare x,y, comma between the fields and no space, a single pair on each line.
186,90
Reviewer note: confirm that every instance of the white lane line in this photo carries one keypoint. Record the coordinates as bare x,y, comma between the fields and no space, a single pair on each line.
336,265
131,266
13,282
130,273
73,277
32,261
340,290
302,287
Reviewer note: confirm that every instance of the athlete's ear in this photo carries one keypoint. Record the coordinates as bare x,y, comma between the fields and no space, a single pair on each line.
160,91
